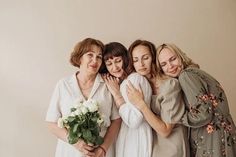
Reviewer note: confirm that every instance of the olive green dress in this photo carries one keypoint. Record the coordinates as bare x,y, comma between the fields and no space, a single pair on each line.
169,106
212,132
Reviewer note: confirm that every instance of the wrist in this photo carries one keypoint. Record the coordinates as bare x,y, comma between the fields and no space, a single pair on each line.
103,149
118,96
142,106
119,101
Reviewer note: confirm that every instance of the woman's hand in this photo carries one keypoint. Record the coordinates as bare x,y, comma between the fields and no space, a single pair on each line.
112,84
99,152
114,87
84,148
135,96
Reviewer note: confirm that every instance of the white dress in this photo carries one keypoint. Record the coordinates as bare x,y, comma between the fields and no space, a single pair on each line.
135,136
65,93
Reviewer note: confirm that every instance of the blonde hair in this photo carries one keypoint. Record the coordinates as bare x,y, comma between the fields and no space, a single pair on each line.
186,61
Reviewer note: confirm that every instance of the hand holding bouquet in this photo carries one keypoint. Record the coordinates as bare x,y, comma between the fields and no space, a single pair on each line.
84,122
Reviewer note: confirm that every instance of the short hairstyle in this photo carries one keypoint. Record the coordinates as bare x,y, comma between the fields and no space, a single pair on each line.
114,49
186,61
152,50
83,47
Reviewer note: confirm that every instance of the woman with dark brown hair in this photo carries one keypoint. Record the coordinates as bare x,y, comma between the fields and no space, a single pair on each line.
135,136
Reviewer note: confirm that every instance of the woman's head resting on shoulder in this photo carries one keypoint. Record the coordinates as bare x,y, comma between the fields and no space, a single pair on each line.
142,56
171,60
115,60
87,55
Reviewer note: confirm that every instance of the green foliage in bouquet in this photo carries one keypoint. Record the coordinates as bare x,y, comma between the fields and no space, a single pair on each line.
84,122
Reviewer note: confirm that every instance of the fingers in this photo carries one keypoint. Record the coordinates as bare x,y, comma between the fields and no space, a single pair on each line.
88,153
110,78
139,89
113,79
87,147
130,87
84,148
131,90
87,150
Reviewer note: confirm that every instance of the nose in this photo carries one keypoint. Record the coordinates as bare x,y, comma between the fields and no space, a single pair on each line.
170,65
141,63
94,59
114,66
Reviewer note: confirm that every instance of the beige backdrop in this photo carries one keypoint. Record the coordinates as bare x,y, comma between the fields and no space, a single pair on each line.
37,36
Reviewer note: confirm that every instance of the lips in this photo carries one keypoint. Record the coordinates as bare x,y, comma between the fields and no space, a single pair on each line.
173,71
142,70
117,71
94,66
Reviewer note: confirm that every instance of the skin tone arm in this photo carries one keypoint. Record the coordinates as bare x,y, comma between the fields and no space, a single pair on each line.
136,97
61,133
109,138
114,87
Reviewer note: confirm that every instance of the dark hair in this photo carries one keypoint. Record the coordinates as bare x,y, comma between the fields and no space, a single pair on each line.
152,50
83,47
114,49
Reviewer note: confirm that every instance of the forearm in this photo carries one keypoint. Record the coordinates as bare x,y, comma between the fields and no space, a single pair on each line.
111,133
60,133
196,120
162,128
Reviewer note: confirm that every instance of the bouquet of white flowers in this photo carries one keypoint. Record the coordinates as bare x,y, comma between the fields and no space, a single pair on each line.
84,122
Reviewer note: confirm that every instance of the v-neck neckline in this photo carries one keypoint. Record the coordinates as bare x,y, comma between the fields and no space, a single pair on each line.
93,90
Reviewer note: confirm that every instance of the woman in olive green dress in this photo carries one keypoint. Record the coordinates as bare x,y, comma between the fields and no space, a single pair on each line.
212,130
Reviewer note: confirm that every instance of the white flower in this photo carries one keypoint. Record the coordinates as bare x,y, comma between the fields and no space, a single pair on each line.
77,116
72,114
60,123
64,118
91,105
77,103
100,121
83,109
78,111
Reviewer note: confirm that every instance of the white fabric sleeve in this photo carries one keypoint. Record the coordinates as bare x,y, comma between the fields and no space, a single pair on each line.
54,113
130,115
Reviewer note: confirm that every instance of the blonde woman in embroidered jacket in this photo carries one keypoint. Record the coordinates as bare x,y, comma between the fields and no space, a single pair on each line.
212,130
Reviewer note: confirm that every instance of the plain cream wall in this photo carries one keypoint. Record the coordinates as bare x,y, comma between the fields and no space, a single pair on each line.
37,36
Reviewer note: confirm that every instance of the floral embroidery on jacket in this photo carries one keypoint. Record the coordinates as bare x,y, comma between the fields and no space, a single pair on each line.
211,101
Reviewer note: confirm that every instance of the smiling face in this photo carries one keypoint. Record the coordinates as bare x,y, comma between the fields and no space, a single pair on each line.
114,66
91,61
142,60
170,63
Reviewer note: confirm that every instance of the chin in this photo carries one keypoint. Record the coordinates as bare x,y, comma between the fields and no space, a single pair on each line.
173,75
142,73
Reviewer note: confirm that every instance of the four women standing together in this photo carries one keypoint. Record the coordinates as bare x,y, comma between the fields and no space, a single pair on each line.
161,89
